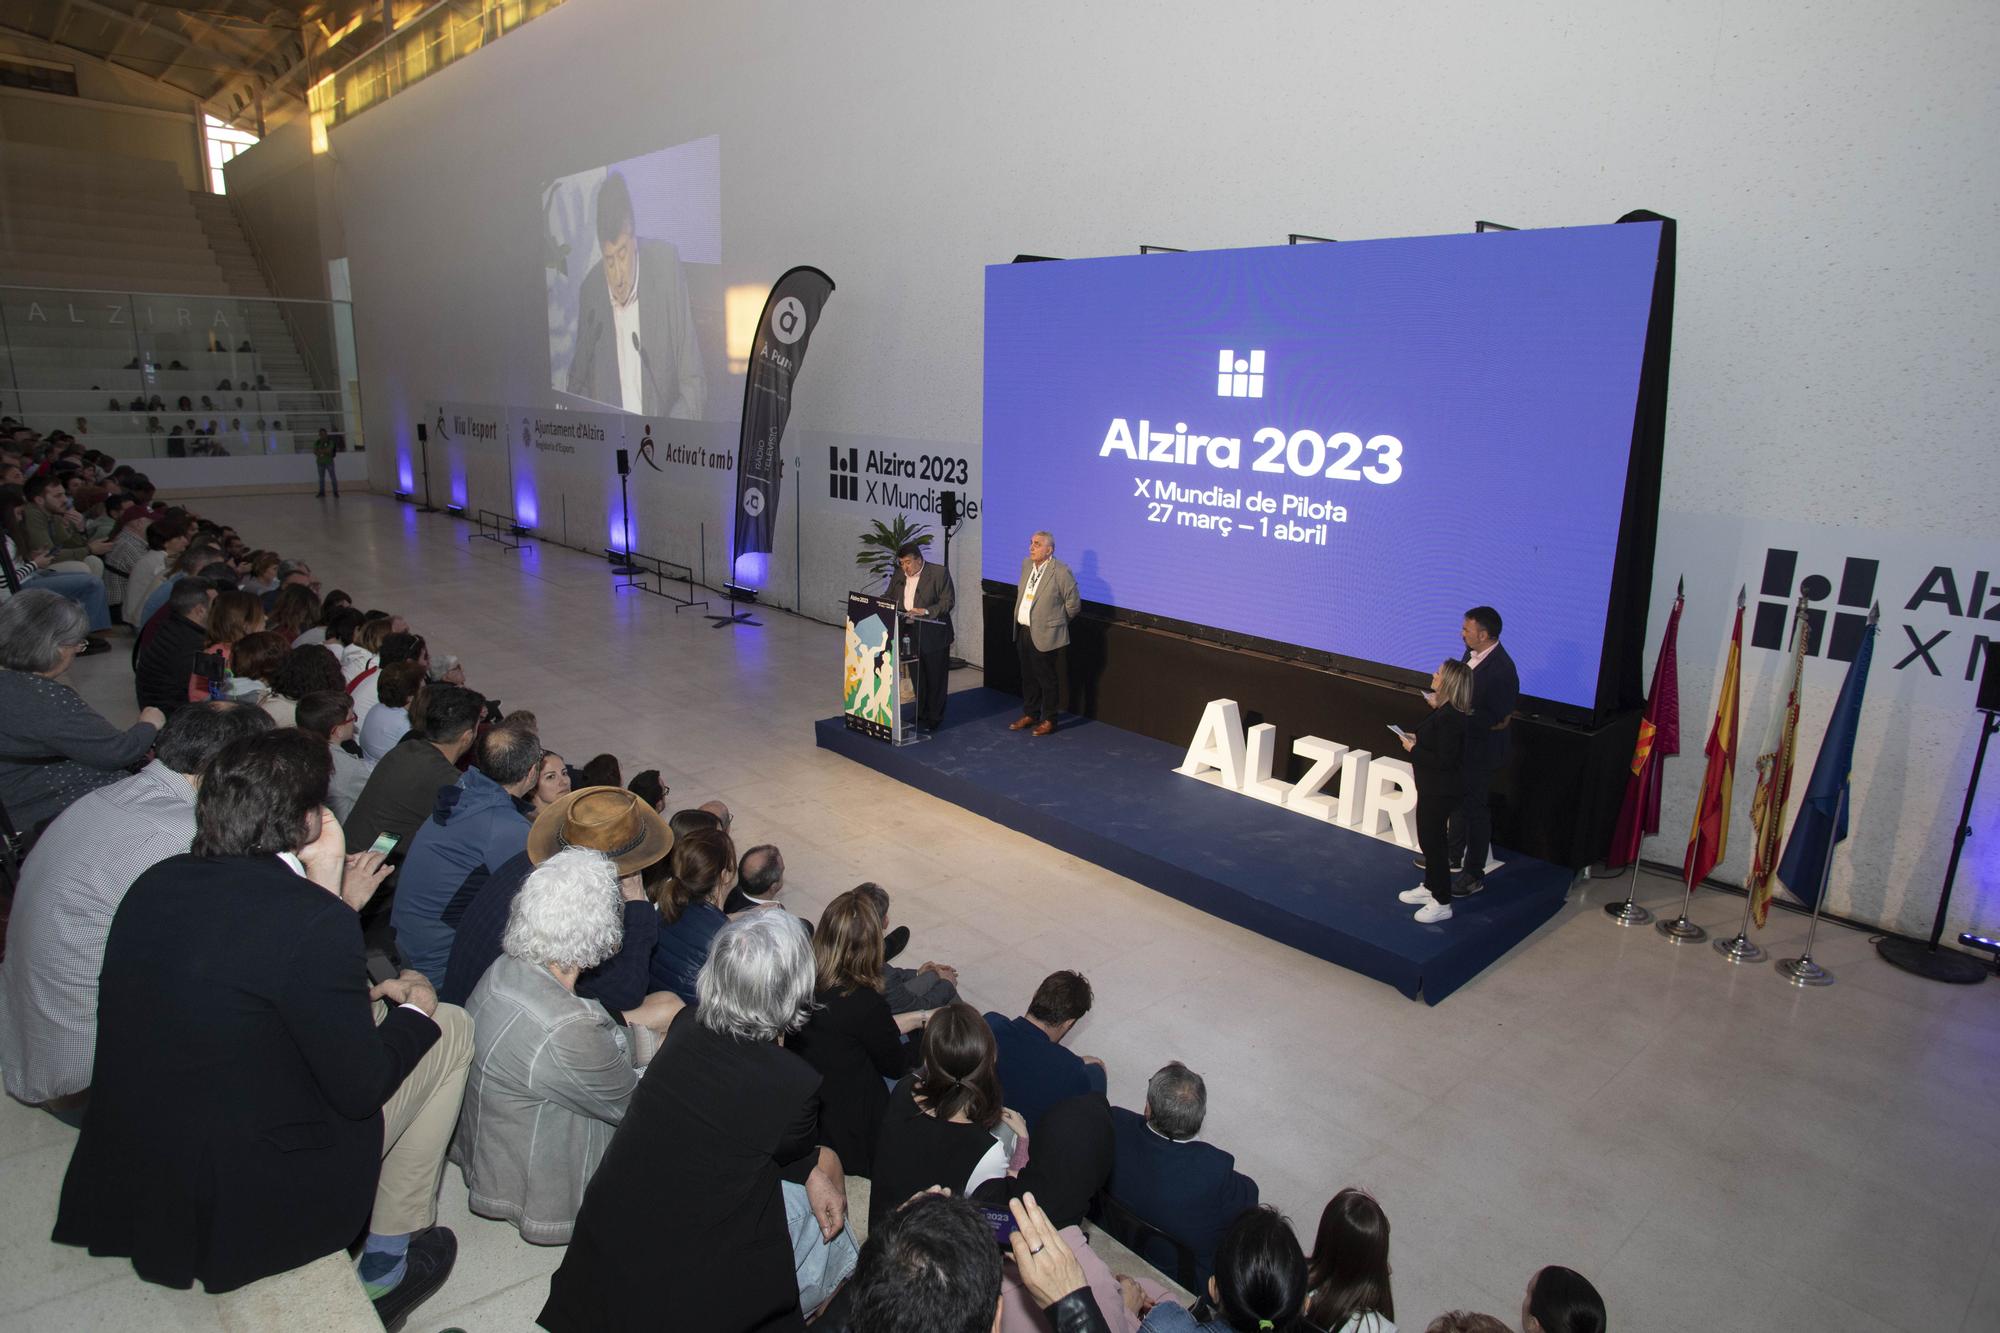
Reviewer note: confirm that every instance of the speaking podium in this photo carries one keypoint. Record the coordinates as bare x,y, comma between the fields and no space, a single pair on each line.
878,658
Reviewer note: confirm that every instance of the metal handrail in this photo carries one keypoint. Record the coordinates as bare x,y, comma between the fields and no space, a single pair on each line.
179,296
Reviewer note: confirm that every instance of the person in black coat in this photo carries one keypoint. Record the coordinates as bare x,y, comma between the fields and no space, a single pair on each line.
944,1124
852,1039
235,1127
1496,690
160,676
1438,758
684,1226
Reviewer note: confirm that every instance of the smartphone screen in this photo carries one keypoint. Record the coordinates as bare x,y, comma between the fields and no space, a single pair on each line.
1002,1222
384,844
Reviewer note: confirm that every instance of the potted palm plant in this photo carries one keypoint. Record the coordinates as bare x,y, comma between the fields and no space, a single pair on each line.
879,546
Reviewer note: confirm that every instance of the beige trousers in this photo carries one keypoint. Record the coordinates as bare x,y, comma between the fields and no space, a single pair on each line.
417,1123
90,564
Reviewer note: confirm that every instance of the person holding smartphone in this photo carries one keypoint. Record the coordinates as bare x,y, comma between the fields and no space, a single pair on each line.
1437,756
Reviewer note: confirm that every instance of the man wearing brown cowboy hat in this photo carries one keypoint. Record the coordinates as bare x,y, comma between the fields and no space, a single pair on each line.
611,820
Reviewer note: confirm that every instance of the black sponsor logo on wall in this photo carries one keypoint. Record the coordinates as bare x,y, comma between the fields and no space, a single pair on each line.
1781,586
843,481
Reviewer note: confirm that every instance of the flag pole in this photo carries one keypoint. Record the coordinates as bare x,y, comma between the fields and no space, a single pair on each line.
1803,971
1681,930
1629,913
1741,949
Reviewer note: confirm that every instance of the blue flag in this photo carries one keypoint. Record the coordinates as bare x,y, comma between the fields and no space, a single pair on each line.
1816,829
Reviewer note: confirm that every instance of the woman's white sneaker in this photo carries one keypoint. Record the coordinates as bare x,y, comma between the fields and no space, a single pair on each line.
1434,912
1416,897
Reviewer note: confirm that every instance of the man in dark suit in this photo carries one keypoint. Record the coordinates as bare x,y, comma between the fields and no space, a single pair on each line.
635,345
250,1109
924,593
1170,1179
1496,689
1031,1063
160,678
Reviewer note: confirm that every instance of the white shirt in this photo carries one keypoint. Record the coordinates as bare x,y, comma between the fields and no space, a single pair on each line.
625,328
1472,662
910,590
1028,593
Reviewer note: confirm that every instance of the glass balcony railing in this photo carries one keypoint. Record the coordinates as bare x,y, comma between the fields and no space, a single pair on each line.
447,31
159,375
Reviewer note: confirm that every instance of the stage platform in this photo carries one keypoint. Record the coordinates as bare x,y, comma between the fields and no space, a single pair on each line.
1112,798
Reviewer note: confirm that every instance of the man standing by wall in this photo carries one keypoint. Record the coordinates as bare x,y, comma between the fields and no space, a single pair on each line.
1043,608
324,450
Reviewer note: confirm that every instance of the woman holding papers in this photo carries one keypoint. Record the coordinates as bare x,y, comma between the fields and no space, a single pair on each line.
1437,755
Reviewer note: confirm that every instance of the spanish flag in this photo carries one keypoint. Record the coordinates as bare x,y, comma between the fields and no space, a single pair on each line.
1708,841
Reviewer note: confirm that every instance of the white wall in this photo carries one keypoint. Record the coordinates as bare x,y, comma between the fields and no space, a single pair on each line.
115,111
1831,167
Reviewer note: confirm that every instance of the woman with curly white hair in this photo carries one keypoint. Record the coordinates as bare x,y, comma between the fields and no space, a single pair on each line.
716,1209
551,1073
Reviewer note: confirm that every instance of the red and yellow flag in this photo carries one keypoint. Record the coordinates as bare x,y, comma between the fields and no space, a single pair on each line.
1659,737
1774,776
1708,841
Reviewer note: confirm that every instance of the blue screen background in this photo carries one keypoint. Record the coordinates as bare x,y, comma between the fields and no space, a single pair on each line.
1507,364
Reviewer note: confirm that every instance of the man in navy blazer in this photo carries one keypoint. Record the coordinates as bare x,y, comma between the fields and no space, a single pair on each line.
1496,690
1169,1178
1035,1071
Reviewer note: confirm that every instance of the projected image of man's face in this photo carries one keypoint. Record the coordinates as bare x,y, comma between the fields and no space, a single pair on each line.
621,262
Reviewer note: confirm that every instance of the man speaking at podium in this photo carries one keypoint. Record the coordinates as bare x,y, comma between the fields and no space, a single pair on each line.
923,593
635,345
1042,612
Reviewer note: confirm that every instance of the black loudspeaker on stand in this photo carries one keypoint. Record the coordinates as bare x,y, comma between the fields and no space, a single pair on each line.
1928,960
950,512
424,443
625,566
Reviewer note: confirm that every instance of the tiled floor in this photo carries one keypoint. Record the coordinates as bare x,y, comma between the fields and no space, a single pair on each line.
1715,1149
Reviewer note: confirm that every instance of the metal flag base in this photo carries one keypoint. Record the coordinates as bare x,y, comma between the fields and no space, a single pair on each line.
1681,931
1740,949
1927,960
1627,913
1804,972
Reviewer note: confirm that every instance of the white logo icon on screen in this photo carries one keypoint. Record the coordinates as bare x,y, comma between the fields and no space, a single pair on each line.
1239,376
753,502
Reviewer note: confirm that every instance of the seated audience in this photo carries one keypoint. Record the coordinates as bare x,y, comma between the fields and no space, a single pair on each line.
340,628
476,825
233,615
396,647
364,652
51,524
328,717
930,1266
385,725
910,989
852,1039
166,539
1349,1267
199,560
263,573
601,771
403,789
1067,1167
22,567
760,879
72,883
315,630
716,1158
128,547
1259,1282
54,747
1466,1321
308,670
551,782
248,1113
254,665
294,611
1172,1180
551,1072
945,1125
1034,1068
290,574
601,819
690,903
1561,1300
720,813
684,822
651,788
167,660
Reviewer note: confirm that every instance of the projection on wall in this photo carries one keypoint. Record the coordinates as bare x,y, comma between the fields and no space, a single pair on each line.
619,241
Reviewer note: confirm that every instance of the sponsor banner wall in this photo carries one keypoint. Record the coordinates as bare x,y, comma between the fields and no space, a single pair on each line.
1940,606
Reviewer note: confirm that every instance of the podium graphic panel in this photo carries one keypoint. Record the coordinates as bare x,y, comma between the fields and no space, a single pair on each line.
870,692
